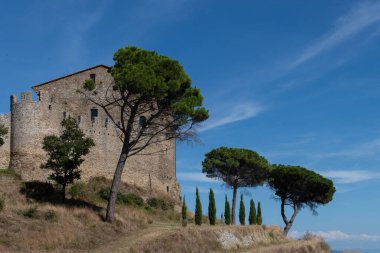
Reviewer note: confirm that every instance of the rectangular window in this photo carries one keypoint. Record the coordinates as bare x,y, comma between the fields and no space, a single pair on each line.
94,114
93,77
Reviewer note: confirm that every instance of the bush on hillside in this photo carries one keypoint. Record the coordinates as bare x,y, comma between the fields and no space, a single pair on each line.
31,213
130,199
78,190
51,215
159,203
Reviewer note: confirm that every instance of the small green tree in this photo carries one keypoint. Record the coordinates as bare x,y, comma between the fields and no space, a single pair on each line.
198,209
184,213
65,154
3,132
259,215
242,211
252,213
212,208
227,212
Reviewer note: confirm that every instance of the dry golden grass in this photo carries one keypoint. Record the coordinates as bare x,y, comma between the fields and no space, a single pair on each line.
29,226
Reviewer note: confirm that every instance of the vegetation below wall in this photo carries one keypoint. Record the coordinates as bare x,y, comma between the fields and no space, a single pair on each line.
31,220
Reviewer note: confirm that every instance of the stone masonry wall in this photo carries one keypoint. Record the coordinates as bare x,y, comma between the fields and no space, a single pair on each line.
5,149
32,121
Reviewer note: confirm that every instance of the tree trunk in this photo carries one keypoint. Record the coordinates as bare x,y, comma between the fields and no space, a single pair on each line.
288,224
115,185
233,220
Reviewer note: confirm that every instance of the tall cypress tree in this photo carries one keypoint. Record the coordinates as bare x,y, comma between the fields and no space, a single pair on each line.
184,213
252,213
198,209
242,211
211,208
227,212
222,218
259,215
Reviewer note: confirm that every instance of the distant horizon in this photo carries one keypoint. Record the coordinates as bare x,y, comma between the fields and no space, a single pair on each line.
296,81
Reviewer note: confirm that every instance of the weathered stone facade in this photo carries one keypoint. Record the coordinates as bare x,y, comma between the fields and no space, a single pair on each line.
30,121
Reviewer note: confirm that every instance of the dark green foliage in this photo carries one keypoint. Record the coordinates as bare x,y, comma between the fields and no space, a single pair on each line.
222,217
242,211
31,213
51,215
2,205
298,187
78,190
39,191
129,199
184,213
89,85
144,79
212,208
3,132
259,219
227,212
159,203
65,154
252,213
198,209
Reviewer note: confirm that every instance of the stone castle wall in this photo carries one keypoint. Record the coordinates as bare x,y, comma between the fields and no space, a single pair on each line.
5,149
32,120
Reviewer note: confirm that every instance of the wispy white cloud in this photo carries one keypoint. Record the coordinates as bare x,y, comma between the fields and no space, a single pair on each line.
351,176
337,235
195,177
359,18
239,112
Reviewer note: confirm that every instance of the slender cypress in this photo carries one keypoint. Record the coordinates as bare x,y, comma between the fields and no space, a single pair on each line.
222,218
198,209
252,213
184,213
259,215
211,208
242,211
227,212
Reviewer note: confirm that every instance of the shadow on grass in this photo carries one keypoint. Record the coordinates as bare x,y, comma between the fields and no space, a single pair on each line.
44,192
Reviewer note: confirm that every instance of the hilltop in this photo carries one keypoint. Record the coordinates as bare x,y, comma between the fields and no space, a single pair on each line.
33,221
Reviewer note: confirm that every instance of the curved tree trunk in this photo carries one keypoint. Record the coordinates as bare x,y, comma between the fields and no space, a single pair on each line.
233,220
115,185
288,224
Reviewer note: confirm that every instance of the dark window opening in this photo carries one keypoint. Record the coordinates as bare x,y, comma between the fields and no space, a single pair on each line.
142,121
79,119
93,77
39,96
64,115
106,123
167,188
49,107
94,114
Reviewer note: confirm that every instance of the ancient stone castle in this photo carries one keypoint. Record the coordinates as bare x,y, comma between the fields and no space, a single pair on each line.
30,121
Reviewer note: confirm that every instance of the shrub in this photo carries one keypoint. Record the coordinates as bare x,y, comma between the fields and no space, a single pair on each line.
31,213
51,215
162,204
2,204
39,191
130,199
78,190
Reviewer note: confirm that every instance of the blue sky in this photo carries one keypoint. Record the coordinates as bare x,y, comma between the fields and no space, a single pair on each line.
297,81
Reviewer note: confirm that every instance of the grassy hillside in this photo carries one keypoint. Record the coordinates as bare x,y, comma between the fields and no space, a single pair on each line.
32,220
